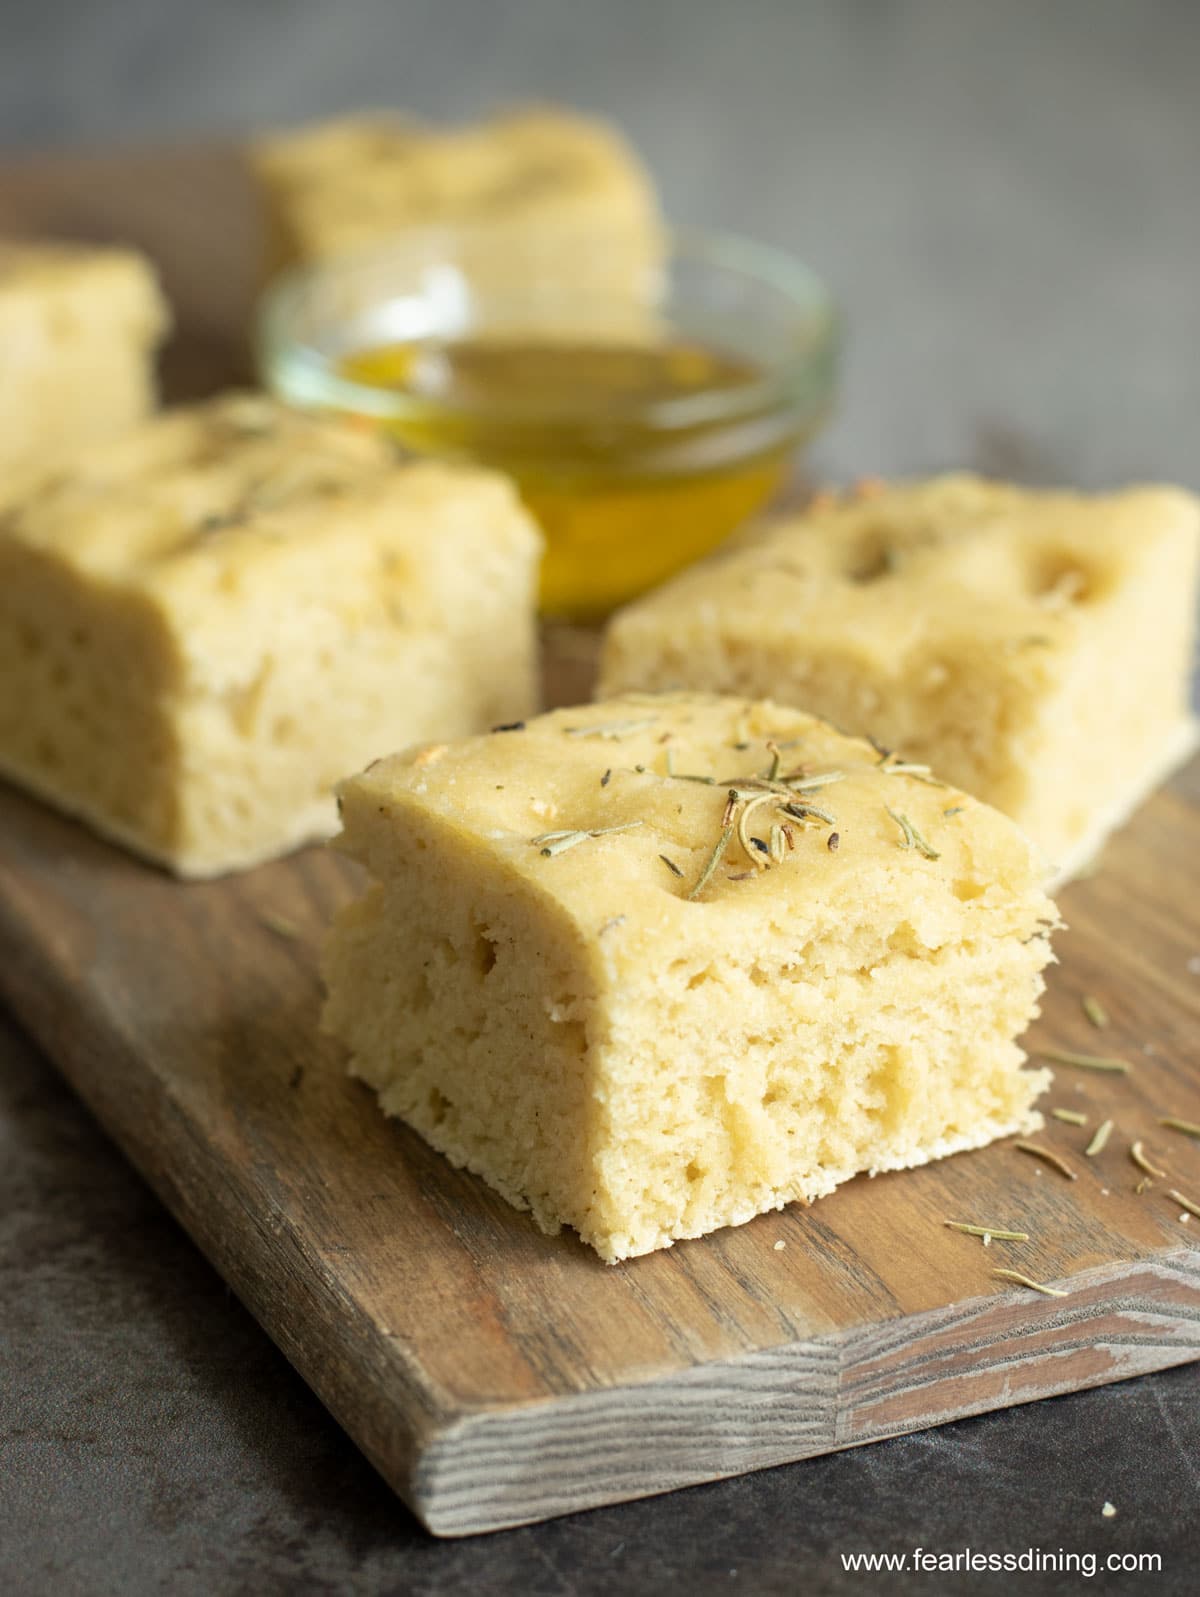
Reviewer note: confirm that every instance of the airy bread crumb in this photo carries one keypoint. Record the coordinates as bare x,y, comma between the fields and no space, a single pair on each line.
621,1049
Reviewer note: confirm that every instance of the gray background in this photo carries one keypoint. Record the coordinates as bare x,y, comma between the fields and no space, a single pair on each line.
1006,196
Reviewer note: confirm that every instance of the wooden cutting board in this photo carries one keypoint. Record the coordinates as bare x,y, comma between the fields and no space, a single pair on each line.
492,1374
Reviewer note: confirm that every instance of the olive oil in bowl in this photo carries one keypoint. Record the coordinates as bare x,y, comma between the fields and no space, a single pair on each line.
639,438
623,499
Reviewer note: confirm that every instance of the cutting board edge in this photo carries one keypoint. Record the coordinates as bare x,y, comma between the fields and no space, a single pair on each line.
455,1491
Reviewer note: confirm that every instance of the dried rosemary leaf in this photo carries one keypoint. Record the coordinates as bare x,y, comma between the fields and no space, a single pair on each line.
611,729
714,859
1094,1010
987,1231
810,784
558,842
551,843
1034,1286
1188,1127
956,809
1071,1116
1050,1157
1063,1056
1099,1139
279,924
1137,1153
919,773
905,826
926,848
671,865
218,522
805,812
1184,1203
912,838
754,847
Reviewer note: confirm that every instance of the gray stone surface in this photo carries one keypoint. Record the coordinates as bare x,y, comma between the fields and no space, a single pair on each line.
1007,200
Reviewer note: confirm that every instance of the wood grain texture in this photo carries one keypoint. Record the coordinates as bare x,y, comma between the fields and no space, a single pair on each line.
495,1375
492,1374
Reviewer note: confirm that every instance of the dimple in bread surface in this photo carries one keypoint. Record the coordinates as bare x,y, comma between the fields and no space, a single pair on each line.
1034,647
646,1065
206,624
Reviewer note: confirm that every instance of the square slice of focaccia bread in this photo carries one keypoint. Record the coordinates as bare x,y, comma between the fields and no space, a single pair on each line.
79,329
1033,647
516,179
657,965
206,624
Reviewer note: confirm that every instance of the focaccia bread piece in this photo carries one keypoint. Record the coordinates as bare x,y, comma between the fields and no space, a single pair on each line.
205,625
1032,647
79,328
345,185
644,1008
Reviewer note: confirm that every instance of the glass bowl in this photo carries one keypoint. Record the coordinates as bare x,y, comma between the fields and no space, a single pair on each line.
644,407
